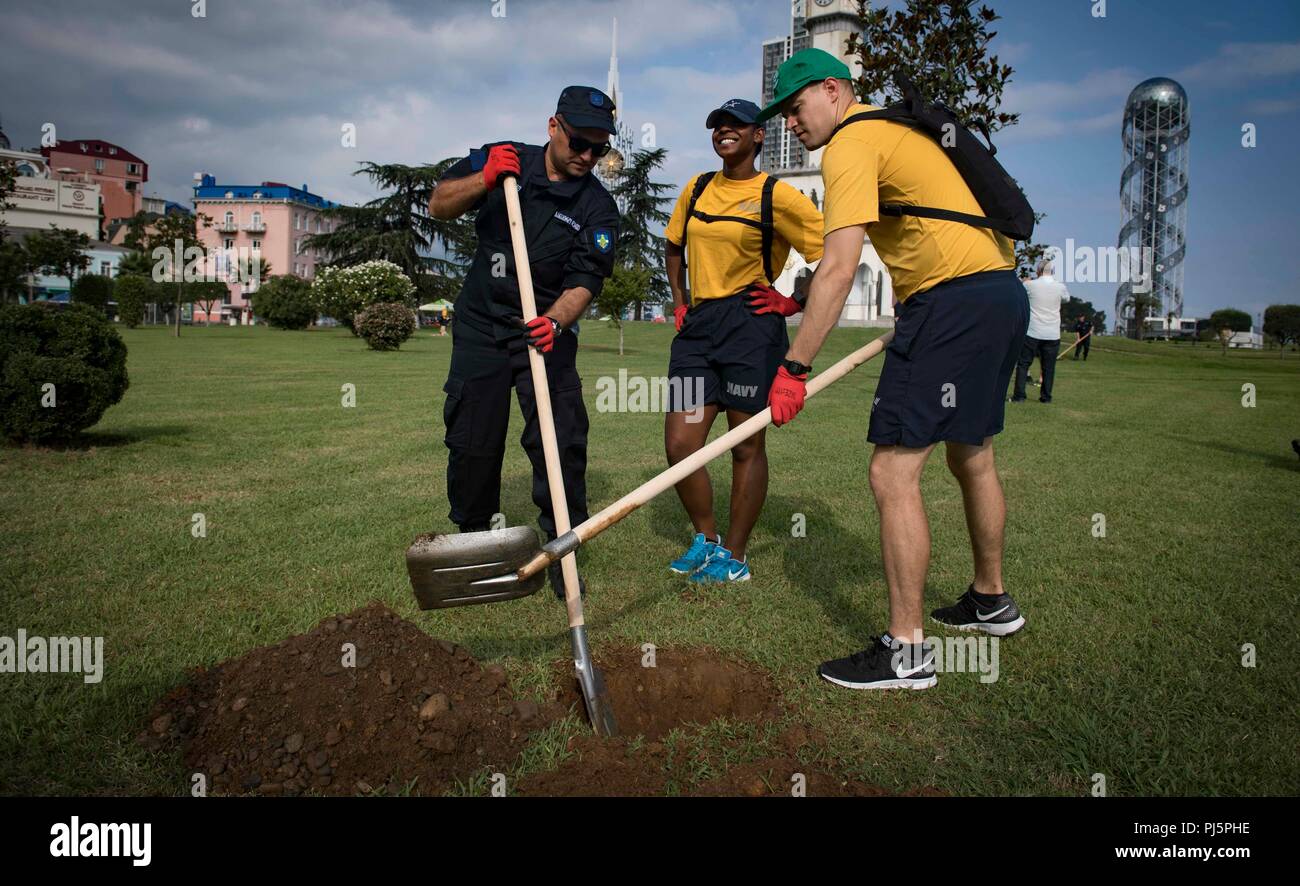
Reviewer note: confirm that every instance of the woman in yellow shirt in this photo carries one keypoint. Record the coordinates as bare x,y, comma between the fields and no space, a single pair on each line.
730,234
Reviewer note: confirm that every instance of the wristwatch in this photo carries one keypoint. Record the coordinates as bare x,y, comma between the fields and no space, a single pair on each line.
795,368
556,328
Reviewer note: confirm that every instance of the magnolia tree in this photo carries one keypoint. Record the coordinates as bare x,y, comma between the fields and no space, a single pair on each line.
343,293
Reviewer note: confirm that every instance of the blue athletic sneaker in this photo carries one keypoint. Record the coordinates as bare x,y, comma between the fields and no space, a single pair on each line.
721,567
696,555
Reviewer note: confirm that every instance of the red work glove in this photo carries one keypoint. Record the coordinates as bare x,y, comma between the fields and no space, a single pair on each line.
541,333
786,396
679,315
763,299
501,160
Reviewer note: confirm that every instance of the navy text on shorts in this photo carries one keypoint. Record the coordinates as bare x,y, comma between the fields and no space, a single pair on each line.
735,351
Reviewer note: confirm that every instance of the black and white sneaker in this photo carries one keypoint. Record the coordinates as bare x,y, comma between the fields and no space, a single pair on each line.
998,615
884,664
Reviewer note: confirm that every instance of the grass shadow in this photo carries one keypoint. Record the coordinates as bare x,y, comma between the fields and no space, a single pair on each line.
103,439
834,565
1274,460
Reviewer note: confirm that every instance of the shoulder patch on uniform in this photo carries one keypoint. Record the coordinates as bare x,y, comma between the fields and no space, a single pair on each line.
603,238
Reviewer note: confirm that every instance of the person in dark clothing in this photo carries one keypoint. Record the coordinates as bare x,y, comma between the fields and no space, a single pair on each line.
1082,328
571,226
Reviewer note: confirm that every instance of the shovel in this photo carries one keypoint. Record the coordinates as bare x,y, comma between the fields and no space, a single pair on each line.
503,564
594,694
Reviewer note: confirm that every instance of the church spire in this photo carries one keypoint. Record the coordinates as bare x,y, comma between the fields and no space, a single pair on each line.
612,87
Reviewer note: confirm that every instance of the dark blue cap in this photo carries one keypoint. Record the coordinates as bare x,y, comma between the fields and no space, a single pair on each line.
742,109
586,107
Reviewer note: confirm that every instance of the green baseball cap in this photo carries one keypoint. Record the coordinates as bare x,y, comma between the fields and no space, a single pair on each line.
804,67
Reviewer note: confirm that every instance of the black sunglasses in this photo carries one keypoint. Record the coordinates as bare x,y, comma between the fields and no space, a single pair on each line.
580,145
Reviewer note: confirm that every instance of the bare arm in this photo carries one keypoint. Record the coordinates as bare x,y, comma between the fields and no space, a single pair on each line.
454,197
828,292
569,306
676,272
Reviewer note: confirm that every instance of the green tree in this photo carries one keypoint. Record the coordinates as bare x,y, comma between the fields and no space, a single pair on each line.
8,181
133,293
397,227
94,290
626,287
1227,321
942,46
644,203
285,302
1282,322
207,294
60,252
1143,305
173,234
14,263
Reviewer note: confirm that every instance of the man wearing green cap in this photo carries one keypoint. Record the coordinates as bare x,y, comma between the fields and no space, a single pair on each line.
960,319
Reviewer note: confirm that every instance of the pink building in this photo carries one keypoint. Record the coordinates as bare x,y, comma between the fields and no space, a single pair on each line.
119,173
272,220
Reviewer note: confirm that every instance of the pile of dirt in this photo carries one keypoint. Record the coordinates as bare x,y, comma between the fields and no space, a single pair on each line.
688,686
407,712
368,703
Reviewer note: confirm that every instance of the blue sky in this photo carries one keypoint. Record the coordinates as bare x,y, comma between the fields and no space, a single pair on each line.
258,91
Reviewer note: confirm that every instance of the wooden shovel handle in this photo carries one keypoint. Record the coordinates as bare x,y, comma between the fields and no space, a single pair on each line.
542,394
598,523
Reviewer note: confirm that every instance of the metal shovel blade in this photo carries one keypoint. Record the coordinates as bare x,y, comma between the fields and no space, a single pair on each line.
467,568
591,682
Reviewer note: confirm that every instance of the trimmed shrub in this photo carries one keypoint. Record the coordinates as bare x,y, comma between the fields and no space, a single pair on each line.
343,293
132,293
386,325
285,302
94,290
76,350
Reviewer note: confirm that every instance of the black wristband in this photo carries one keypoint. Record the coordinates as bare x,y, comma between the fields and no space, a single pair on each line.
796,368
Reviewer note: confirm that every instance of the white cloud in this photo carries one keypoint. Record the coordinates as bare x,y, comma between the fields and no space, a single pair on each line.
1236,63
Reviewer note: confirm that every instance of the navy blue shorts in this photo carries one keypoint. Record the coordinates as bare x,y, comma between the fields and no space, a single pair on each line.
727,352
946,371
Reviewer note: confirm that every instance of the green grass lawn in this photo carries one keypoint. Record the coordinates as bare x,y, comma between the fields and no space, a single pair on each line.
1131,664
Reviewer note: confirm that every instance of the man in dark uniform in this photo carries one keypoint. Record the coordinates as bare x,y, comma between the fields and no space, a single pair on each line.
571,226
1082,328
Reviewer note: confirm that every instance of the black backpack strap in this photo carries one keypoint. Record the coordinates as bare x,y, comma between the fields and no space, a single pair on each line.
701,182
893,112
979,221
767,224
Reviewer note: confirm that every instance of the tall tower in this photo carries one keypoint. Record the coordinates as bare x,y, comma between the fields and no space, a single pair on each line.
1153,194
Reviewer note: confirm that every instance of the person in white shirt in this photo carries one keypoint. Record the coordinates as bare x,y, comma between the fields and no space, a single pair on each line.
1043,338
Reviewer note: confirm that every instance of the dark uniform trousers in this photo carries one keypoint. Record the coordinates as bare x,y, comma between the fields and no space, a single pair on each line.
477,412
1046,352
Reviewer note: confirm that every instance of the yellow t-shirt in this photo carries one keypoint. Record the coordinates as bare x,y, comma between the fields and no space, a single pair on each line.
724,257
884,161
